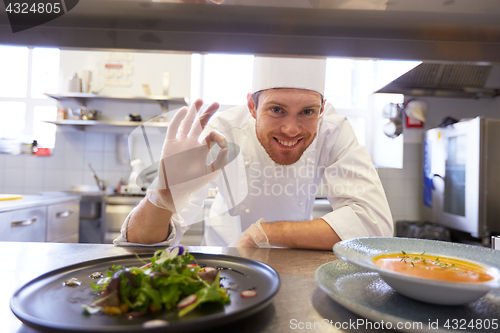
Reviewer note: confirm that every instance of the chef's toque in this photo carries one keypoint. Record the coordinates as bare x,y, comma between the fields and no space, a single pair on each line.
278,72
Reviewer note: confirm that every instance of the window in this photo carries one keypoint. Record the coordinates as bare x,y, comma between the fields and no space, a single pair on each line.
25,75
349,87
221,78
13,71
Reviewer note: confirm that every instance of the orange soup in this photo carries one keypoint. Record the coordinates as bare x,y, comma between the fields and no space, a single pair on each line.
433,267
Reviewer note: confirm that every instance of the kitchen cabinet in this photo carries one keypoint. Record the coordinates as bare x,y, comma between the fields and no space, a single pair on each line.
62,222
40,218
24,225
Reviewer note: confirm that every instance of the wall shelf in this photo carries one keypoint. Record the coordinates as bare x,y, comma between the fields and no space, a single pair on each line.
98,125
83,98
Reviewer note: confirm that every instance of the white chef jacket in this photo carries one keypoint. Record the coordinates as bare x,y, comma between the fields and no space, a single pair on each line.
260,188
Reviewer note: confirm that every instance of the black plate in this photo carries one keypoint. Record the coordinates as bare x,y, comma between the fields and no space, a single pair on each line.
45,304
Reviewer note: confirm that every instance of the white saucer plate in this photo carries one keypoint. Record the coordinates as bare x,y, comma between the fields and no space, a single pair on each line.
366,294
361,251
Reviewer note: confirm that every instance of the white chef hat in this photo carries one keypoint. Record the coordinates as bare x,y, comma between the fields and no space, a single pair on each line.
279,72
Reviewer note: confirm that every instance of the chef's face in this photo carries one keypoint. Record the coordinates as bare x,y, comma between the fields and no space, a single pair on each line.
286,121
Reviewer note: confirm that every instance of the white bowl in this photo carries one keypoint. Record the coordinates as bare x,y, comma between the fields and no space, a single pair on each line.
361,251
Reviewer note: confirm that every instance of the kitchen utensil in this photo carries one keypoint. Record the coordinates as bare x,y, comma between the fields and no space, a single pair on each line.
89,114
361,251
366,294
75,113
100,183
393,128
45,304
391,110
416,110
134,117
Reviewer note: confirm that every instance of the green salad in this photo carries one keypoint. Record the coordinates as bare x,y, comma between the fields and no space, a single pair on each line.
169,282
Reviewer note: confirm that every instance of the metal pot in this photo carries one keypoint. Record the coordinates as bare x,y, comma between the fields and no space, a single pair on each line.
90,114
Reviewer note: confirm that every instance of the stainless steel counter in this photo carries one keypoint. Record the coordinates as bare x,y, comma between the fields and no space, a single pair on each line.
36,200
299,298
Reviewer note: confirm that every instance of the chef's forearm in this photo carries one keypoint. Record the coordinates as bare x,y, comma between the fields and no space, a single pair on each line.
315,234
148,224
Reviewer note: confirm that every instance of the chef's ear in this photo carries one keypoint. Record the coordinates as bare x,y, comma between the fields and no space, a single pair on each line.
322,108
251,105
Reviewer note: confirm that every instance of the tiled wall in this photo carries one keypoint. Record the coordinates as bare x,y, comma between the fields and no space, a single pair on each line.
68,166
403,187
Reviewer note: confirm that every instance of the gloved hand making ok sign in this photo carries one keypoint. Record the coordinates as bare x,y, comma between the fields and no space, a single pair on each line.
183,167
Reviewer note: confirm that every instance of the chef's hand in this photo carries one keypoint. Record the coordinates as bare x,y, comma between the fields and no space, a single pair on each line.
183,168
254,236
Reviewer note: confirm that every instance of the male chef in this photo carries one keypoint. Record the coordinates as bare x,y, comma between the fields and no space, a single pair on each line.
267,160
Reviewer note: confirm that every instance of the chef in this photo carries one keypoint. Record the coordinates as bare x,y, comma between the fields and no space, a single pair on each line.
267,160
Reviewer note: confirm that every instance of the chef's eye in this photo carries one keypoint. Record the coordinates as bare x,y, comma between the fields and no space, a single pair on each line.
276,109
308,112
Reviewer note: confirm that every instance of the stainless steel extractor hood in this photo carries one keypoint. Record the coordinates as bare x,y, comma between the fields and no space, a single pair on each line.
431,30
448,80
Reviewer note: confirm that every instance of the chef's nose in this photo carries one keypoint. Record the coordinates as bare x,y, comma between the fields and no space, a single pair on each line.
291,126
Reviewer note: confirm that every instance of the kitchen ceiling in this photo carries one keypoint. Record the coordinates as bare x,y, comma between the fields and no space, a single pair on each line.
436,30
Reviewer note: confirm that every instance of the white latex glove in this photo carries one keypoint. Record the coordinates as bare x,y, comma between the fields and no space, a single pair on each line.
183,169
254,236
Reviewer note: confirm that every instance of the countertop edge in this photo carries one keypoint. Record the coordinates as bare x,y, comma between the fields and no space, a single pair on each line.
35,200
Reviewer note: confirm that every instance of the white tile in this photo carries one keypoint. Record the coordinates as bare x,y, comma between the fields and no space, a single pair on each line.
33,190
394,188
14,178
412,188
56,161
33,178
413,170
74,160
60,140
34,162
54,178
412,152
96,158
15,161
72,177
110,162
413,210
94,142
110,142
13,190
394,173
3,158
74,141
56,189
397,206
382,172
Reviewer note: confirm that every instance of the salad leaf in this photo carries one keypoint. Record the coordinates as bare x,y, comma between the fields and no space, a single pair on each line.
168,278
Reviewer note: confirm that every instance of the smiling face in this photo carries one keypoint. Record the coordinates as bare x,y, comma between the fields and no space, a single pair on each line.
286,121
